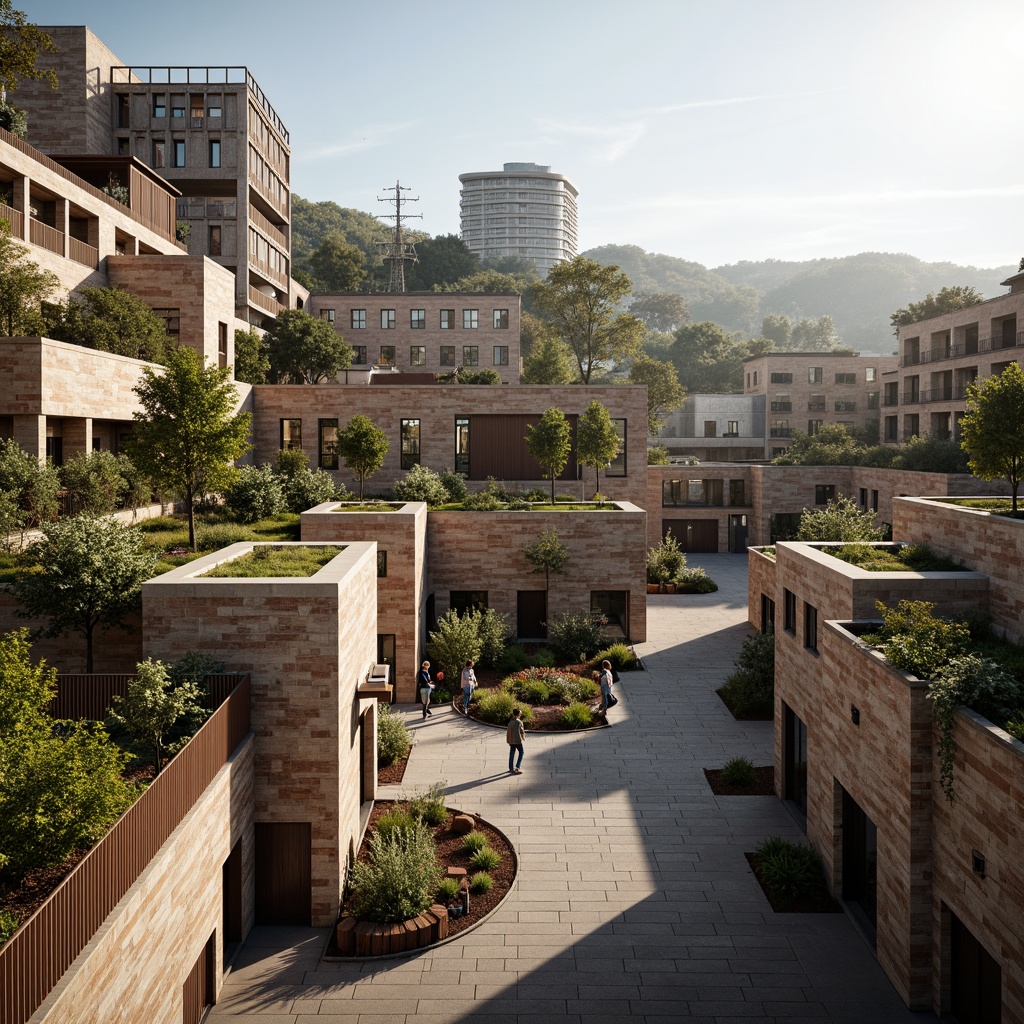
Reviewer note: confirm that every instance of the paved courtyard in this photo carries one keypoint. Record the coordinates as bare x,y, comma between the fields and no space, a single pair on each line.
634,899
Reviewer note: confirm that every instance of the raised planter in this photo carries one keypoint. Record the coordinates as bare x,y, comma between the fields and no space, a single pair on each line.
661,588
367,938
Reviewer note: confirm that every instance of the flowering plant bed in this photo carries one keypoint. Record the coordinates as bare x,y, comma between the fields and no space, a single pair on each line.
550,700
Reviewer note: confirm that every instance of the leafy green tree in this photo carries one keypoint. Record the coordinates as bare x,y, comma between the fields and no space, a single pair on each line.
93,481
455,641
549,443
579,300
707,360
597,442
927,453
832,445
839,520
815,335
947,301
337,265
304,349
88,573
992,429
664,392
421,483
517,266
548,362
363,446
187,435
658,456
31,489
252,358
152,706
491,282
779,328
547,555
110,320
662,312
441,260
23,287
21,45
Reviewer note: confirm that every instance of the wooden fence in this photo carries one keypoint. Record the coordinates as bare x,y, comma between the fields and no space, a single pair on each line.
35,958
92,696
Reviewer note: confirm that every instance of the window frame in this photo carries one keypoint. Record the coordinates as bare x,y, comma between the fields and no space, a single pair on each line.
387,355
216,153
409,442
446,319
387,319
470,355
500,355
357,319
417,355
417,319
291,436
179,153
462,445
327,451
824,493
448,357
358,350
471,319
618,467
788,612
499,319
815,374
810,628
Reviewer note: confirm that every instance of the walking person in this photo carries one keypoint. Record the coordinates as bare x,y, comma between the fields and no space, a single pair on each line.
515,734
426,687
606,679
468,686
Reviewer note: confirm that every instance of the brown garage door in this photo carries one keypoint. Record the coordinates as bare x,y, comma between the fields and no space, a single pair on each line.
693,534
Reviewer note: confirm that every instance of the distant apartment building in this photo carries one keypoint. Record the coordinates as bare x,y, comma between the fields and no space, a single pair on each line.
524,210
427,332
716,428
807,390
210,131
941,356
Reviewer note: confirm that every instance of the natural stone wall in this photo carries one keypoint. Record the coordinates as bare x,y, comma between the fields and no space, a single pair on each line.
761,580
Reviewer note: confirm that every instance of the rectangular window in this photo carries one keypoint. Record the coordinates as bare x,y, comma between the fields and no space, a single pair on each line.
447,319
464,601
410,443
872,399
196,107
470,355
159,104
734,428
501,355
387,319
214,240
448,355
462,445
172,321
737,492
617,467
222,345
814,375
123,110
789,611
501,319
869,374
767,614
874,501
328,315
159,153
382,563
781,378
215,109
864,498
810,627
291,434
846,378
387,355
813,426
124,147
794,768
358,318
470,319
711,428
359,355
816,403
179,152
215,152
417,355
824,493
892,428
177,106
327,449
417,319
613,606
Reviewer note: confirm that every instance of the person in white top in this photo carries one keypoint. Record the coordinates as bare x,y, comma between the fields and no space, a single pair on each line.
468,686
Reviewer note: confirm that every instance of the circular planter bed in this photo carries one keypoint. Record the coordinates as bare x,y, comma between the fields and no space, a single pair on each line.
361,939
544,695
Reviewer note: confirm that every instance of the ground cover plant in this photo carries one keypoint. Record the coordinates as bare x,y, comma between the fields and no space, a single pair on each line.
277,561
895,558
749,693
791,875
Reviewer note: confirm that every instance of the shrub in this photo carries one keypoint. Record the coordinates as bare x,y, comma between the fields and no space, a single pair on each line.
513,659
577,716
8,925
494,633
787,870
496,706
560,687
739,771
916,641
306,490
566,499
1016,728
840,520
473,842
429,807
666,561
518,505
482,501
485,859
393,738
220,535
480,883
397,820
161,524
576,689
695,581
454,484
455,641
536,494
448,890
621,657
543,657
421,483
93,482
575,636
535,693
657,456
256,494
400,879
750,690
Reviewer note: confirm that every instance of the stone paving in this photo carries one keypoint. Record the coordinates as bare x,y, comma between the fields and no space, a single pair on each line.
634,899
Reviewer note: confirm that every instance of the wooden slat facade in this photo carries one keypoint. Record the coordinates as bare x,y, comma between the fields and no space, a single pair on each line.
497,447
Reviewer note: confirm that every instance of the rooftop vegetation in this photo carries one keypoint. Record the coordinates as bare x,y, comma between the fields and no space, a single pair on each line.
895,558
275,561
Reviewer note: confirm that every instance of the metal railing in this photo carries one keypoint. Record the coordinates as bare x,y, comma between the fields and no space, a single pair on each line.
200,209
35,958
782,406
264,268
780,432
942,394
846,407
911,397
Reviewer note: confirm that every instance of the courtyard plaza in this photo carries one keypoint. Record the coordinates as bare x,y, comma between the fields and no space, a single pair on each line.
634,899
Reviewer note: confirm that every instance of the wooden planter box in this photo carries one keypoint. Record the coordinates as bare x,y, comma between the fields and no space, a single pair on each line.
368,938
661,588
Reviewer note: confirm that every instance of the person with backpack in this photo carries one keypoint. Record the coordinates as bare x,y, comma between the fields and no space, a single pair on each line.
515,734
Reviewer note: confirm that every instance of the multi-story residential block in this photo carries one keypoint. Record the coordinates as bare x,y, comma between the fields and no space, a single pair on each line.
523,210
941,356
716,428
427,332
211,131
807,390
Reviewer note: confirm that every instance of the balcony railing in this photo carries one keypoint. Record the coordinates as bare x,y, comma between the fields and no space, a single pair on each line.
264,302
15,220
82,252
201,209
816,406
890,400
782,406
846,406
943,394
911,397
996,344
780,432
272,273
963,348
43,235
275,233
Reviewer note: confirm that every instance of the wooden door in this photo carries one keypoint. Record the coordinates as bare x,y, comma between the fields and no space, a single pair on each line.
284,872
198,988
531,614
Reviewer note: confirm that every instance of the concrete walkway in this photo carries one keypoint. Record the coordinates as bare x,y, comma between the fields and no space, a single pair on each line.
634,900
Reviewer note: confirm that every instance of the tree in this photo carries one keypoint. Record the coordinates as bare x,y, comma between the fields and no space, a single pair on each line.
992,429
662,312
441,260
548,362
304,349
707,360
779,328
518,266
579,300
832,445
597,441
252,358
88,572
658,456
491,282
547,555
30,490
110,320
549,443
337,265
93,481
187,435
23,286
815,335
21,44
363,446
839,520
664,392
947,301
152,706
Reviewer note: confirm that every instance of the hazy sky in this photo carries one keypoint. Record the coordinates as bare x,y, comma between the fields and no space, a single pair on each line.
718,130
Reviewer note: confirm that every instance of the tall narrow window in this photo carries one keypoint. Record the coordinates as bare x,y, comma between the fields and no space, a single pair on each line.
222,345
810,627
410,443
737,492
462,445
501,355
447,319
159,153
387,319
789,611
122,110
617,467
417,355
417,319
291,434
215,240
327,446
767,614
470,319
159,104
179,152
448,355
794,768
215,152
